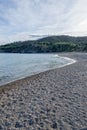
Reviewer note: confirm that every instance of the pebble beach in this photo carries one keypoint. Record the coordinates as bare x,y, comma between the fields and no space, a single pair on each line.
51,100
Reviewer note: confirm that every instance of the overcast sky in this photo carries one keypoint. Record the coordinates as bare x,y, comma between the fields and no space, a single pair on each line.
21,18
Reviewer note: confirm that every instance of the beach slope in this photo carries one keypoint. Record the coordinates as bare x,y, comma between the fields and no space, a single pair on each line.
52,100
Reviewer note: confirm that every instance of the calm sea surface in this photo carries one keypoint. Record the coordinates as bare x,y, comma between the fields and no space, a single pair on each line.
16,66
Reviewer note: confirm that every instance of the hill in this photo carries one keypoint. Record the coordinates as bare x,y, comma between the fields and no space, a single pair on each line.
47,44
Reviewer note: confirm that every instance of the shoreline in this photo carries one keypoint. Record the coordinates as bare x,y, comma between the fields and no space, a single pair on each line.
52,100
72,61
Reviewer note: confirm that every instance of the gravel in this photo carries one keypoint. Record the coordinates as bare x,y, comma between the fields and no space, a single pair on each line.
52,100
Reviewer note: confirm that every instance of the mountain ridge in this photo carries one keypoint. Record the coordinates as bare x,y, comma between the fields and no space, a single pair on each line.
62,43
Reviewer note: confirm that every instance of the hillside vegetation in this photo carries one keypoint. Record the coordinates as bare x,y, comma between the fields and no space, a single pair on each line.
48,44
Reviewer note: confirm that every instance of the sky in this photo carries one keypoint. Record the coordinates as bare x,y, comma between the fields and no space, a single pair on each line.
26,19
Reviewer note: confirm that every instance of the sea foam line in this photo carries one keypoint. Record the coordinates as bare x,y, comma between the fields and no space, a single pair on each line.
72,61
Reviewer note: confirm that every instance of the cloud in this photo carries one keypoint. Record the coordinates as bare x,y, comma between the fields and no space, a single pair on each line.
20,18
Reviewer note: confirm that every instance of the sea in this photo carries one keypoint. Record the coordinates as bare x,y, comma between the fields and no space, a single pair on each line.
14,66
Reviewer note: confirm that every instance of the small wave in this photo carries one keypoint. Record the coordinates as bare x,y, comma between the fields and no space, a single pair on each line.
56,55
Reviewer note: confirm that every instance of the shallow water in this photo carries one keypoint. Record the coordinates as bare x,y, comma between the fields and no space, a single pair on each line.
16,66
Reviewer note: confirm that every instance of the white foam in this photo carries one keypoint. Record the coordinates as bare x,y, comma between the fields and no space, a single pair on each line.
56,55
72,61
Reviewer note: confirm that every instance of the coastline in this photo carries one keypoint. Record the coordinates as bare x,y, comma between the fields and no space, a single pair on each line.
72,61
55,99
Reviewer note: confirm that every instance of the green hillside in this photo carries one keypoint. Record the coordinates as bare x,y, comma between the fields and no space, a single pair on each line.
48,44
